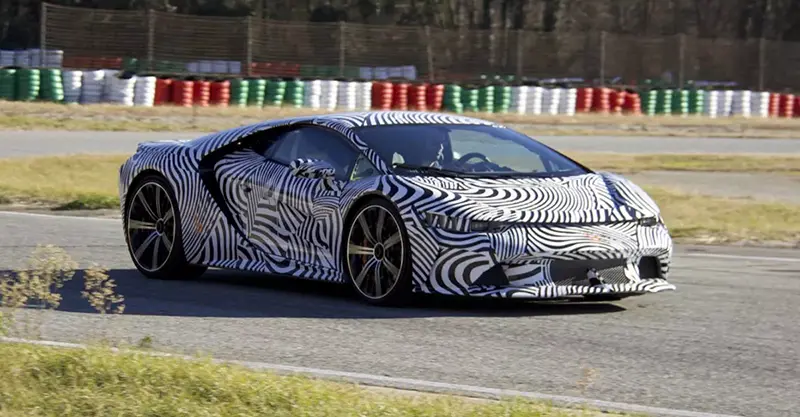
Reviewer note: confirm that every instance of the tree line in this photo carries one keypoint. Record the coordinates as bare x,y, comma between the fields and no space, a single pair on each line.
726,19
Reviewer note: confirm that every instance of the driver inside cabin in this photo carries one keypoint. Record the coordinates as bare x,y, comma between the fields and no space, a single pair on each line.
419,150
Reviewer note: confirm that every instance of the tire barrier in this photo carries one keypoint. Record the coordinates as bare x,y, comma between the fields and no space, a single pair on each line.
256,90
73,85
328,94
294,93
275,92
8,84
28,84
220,93
201,93
144,91
417,99
434,97
120,89
92,85
400,96
239,92
386,90
163,92
786,105
312,94
182,93
364,95
452,100
52,85
346,97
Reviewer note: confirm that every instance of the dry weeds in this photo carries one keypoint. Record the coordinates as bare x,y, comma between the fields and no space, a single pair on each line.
35,289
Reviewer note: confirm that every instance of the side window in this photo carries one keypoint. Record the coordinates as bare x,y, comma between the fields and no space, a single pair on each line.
316,143
363,169
503,152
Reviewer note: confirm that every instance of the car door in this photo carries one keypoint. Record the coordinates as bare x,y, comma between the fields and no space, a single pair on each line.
245,177
297,213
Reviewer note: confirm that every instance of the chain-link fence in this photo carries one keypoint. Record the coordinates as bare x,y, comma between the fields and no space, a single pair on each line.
165,42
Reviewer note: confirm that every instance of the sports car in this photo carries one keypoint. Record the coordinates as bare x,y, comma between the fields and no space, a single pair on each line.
392,203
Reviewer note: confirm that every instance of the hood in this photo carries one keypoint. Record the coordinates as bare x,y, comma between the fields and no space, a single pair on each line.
592,198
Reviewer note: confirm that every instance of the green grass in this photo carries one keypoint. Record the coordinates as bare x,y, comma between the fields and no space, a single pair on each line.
622,163
725,220
68,182
90,182
47,381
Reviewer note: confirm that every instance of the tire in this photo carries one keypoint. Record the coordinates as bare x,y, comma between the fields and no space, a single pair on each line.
363,255
154,226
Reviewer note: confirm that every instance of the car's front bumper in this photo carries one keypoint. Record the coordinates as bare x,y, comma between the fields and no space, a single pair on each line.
616,260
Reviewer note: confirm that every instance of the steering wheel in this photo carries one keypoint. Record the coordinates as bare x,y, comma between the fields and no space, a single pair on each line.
471,155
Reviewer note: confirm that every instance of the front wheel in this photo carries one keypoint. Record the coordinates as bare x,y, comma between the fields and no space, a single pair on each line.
377,254
152,231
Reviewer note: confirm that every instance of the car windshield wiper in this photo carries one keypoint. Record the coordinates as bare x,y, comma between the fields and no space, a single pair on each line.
424,168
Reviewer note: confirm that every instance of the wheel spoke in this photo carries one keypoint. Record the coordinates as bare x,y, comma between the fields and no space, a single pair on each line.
365,228
147,242
146,206
141,225
377,279
392,240
359,250
364,270
166,241
390,266
154,263
168,215
379,225
158,202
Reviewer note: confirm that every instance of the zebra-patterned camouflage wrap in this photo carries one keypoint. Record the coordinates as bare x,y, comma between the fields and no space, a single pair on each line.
540,238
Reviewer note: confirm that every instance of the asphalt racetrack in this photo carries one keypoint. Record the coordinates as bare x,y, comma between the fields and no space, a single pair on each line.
727,341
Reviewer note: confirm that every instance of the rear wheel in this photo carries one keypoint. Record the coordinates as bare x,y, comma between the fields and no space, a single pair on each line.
377,254
152,231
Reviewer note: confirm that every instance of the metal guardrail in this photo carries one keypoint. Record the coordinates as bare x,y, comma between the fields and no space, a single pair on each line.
156,38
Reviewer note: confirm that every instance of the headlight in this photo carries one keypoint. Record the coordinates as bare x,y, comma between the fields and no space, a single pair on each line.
651,221
461,225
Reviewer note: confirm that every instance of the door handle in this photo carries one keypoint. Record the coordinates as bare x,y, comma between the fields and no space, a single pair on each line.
247,188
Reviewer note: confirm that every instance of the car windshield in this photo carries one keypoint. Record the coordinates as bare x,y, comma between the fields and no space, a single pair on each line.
473,150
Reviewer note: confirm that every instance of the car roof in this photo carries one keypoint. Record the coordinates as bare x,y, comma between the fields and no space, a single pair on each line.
344,122
395,117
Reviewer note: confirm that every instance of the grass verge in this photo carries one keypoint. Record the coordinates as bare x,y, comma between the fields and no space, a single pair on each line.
46,381
621,163
704,219
90,182
106,117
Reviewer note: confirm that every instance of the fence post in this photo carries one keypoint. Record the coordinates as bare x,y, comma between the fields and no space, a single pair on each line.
42,33
519,54
602,58
151,39
429,49
249,46
341,48
762,62
681,59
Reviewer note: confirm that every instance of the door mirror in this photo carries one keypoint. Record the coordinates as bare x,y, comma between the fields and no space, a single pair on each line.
312,168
